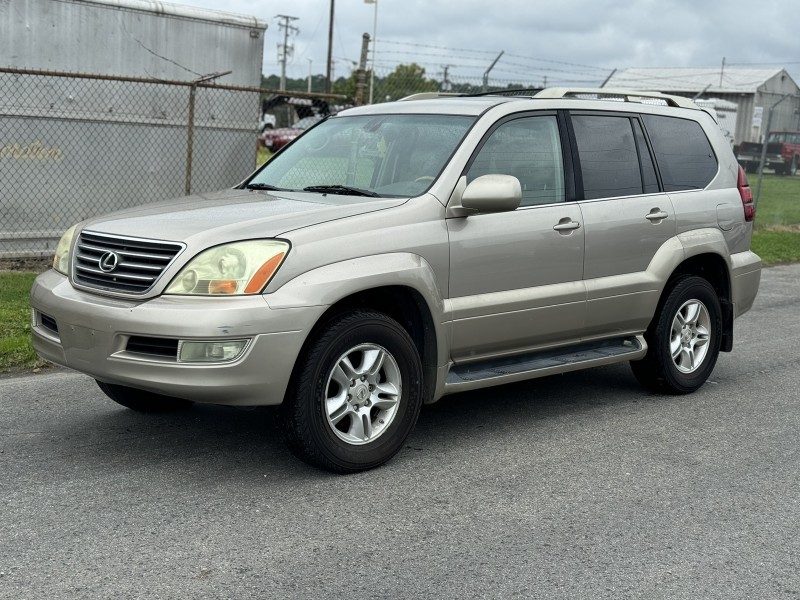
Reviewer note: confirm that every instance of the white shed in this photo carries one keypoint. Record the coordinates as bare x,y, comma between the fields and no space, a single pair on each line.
754,90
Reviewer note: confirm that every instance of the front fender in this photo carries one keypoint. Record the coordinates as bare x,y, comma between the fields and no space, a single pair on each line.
332,283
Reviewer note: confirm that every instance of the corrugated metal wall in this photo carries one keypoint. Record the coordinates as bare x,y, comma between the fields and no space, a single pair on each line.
73,147
135,38
786,114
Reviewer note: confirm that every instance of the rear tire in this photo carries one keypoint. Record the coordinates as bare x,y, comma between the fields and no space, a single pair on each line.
142,401
684,339
355,394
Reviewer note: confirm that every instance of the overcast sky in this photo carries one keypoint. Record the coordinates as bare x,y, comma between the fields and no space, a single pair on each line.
566,41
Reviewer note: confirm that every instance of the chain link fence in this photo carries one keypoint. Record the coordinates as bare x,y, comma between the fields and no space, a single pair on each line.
74,146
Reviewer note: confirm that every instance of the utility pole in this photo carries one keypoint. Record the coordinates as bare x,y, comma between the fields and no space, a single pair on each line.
374,44
285,50
329,73
361,74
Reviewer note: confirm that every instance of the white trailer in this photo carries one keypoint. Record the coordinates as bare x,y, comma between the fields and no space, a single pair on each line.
726,115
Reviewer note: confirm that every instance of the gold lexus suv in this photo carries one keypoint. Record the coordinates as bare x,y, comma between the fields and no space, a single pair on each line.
399,252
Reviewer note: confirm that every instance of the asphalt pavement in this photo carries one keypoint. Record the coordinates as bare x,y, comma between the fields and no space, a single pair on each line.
574,486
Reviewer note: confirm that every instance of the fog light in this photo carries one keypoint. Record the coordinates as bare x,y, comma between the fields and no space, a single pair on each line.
211,350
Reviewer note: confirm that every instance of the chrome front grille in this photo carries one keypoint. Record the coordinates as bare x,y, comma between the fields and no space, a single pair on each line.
118,264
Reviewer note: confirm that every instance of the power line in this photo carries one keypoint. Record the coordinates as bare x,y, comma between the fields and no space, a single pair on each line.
415,45
558,62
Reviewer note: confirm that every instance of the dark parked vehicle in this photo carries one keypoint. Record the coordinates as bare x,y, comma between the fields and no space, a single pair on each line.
783,153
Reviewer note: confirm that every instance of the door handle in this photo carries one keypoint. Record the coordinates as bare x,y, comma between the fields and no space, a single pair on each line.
566,224
656,215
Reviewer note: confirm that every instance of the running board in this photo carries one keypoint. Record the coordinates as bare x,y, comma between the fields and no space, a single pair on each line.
539,364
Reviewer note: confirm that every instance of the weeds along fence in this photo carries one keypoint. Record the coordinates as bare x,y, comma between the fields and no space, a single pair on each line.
73,146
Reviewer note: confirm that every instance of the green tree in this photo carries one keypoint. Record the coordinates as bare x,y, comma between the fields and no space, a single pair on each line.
346,86
403,81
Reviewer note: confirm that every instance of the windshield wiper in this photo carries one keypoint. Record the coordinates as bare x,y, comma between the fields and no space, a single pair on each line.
264,186
340,189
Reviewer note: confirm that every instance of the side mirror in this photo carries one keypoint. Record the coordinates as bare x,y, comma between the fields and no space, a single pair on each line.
492,193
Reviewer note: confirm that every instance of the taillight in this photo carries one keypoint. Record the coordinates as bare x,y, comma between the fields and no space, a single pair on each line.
747,196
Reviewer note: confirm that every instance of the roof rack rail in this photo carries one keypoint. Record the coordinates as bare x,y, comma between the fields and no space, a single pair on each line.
429,96
529,92
619,95
510,92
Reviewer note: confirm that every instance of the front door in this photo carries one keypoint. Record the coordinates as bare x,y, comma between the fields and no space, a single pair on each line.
516,277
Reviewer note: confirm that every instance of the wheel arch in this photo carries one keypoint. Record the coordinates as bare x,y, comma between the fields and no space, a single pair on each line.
406,306
401,285
715,269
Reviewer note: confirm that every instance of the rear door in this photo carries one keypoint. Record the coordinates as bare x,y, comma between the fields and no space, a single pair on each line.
627,219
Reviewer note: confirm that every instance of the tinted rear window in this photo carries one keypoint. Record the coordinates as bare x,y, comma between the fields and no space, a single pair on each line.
609,160
683,152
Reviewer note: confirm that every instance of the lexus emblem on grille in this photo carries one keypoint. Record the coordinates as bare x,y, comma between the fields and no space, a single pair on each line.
109,262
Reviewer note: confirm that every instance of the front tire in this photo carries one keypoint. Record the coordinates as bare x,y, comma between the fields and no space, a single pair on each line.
684,339
355,395
142,401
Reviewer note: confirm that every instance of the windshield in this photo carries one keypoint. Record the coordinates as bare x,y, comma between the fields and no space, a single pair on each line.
385,155
307,122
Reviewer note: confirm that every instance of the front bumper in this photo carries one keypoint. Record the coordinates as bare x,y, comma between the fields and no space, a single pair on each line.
91,334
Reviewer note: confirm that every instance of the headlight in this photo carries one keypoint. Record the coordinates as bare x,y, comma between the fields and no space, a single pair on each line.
240,268
61,259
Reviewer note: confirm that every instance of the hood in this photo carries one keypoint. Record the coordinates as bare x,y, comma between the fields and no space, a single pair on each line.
230,215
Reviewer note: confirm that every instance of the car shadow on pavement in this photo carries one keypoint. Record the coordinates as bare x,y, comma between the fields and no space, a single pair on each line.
230,443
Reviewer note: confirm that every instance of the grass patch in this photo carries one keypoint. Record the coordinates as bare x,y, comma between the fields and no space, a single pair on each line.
262,156
779,203
777,247
776,238
16,351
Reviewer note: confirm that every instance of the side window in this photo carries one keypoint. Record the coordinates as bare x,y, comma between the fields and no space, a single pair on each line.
529,148
683,152
607,151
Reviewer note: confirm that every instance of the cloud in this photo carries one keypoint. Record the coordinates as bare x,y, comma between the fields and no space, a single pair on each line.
558,40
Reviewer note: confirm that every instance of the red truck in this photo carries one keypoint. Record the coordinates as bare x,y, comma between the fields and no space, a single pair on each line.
783,153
